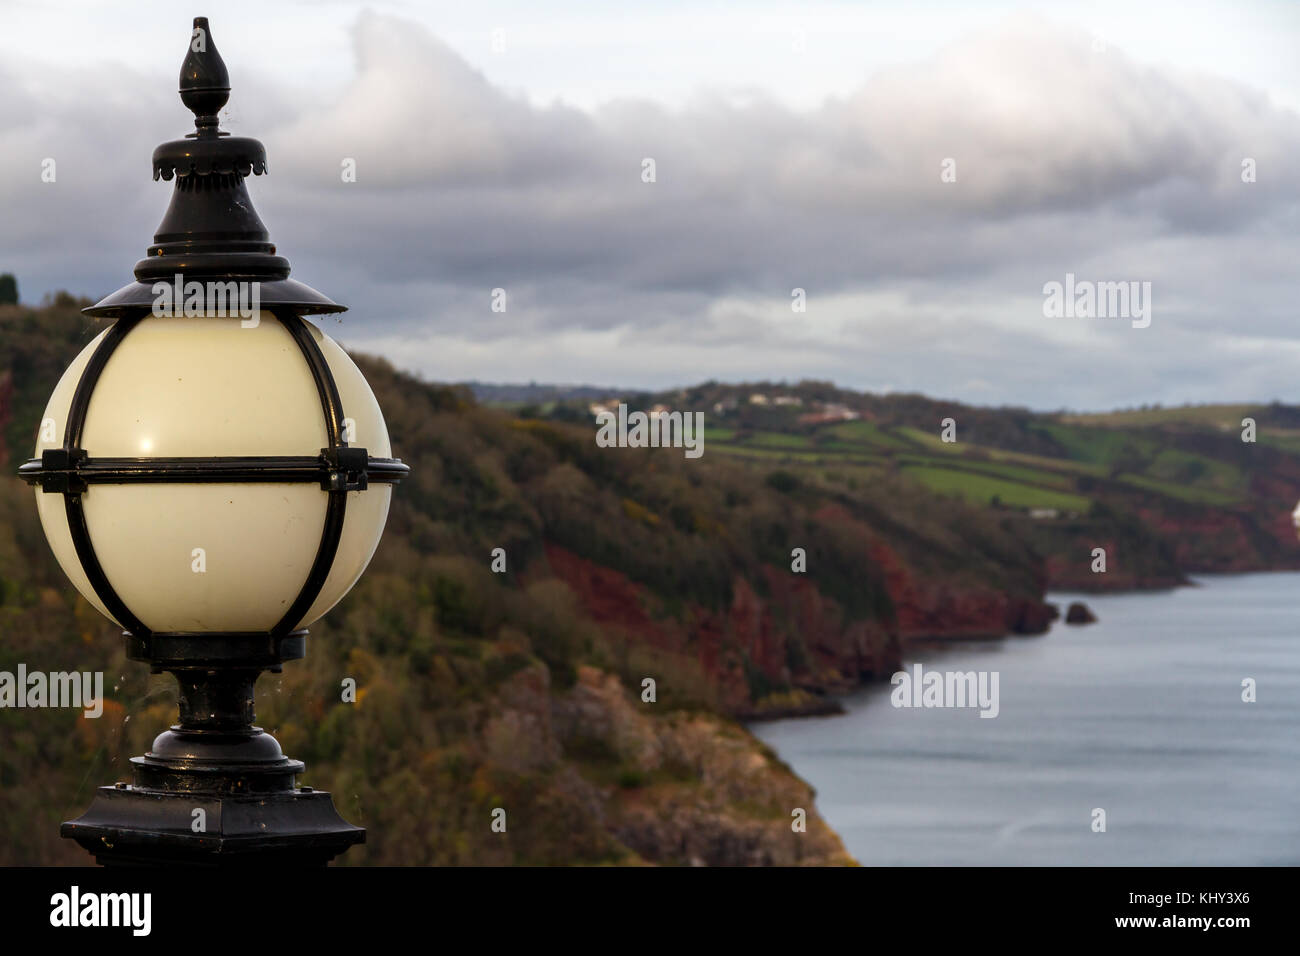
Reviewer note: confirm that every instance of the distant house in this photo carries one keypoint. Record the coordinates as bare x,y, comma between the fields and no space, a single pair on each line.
758,398
1043,513
788,400
599,408
829,412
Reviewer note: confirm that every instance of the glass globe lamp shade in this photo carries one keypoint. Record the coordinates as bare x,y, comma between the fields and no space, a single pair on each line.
213,556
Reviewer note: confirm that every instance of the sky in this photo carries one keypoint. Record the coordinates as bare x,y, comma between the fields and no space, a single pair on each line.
923,172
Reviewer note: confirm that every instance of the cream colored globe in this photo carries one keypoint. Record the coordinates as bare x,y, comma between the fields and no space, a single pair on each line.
214,557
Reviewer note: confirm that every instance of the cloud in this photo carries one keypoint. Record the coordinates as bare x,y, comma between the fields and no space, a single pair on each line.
1068,158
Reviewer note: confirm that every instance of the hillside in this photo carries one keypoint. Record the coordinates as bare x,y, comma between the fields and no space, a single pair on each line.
522,690
1166,492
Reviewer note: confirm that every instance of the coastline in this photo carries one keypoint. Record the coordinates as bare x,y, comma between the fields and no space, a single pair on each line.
1072,731
829,701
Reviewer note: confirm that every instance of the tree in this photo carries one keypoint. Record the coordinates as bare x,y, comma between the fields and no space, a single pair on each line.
8,289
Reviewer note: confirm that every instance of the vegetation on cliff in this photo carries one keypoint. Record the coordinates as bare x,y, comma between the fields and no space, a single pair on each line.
1165,491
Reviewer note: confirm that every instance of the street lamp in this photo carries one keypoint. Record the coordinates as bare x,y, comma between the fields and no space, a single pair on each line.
213,474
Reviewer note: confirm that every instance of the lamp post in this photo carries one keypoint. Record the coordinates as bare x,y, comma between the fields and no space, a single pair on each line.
213,474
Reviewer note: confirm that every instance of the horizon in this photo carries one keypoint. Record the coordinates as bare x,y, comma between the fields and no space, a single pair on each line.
754,383
613,390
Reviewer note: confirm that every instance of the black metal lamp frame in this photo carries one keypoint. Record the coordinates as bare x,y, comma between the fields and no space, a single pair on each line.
214,759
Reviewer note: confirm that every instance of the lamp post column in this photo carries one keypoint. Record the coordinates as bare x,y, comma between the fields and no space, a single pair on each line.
214,789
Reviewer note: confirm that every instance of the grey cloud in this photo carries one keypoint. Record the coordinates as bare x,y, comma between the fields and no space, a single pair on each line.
1068,159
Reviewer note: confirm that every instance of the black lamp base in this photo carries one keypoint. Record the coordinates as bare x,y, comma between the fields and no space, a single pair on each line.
130,826
214,790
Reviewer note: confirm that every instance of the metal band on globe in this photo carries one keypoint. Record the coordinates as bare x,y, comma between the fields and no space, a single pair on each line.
72,490
250,469
336,508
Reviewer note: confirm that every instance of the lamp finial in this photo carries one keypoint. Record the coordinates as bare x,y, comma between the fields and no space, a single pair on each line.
205,82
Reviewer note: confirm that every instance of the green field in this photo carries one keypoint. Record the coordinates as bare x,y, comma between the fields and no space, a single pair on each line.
1187,469
1202,416
997,469
980,474
779,454
777,440
983,489
1009,477
1101,446
1188,493
866,433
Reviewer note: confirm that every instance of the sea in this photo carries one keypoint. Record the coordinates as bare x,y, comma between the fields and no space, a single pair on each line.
1165,734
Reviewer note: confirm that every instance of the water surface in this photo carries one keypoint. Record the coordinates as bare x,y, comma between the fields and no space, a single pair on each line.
1140,714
